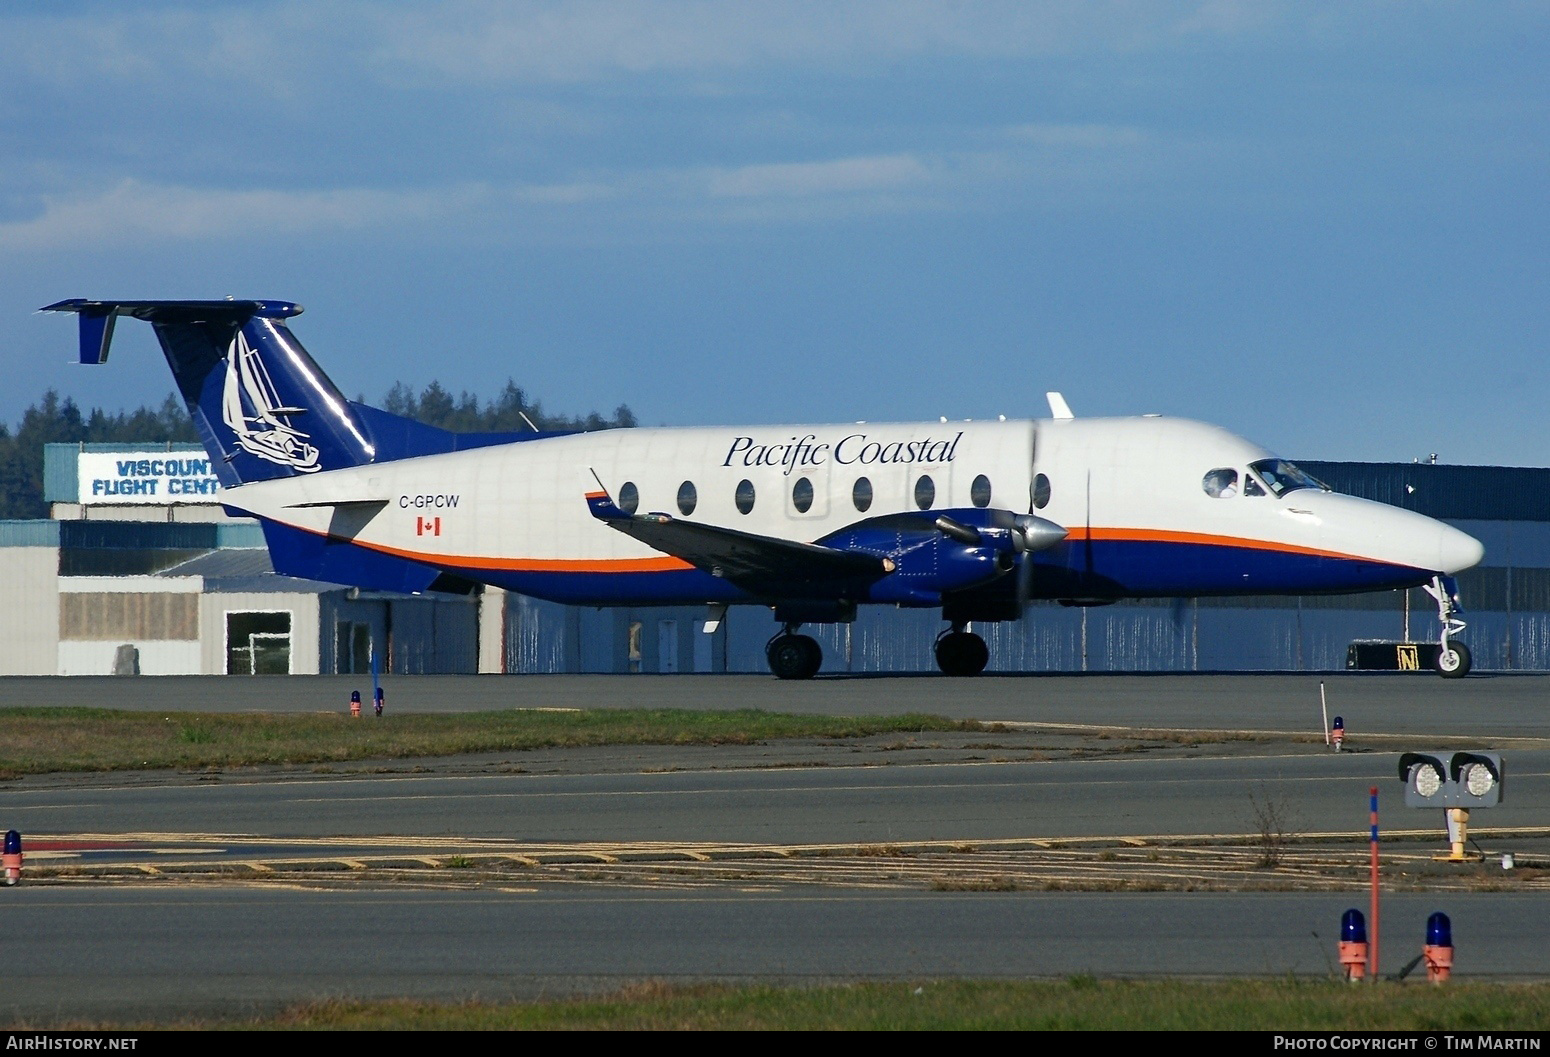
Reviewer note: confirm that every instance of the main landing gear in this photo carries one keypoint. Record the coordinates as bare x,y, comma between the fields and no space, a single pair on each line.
1453,660
793,656
960,652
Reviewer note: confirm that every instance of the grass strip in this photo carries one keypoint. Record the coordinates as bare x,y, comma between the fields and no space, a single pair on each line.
44,740
1077,1003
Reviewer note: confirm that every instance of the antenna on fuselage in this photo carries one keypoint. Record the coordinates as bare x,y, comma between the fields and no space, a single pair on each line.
1058,408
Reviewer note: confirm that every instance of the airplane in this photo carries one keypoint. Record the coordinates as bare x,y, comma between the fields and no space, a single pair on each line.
976,519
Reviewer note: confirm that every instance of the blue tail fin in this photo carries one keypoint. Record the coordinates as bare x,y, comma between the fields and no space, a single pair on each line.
261,405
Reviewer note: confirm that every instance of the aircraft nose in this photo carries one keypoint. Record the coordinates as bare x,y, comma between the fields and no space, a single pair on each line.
1457,551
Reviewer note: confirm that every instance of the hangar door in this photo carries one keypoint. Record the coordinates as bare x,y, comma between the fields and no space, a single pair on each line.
258,643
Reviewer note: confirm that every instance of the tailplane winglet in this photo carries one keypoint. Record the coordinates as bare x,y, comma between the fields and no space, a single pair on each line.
97,317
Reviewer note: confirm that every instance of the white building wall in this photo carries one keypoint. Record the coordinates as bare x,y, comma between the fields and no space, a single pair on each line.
492,631
29,617
169,657
156,656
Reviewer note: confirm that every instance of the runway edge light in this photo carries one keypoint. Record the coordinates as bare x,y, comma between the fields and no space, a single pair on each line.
12,857
1353,944
1337,732
355,704
1438,950
377,705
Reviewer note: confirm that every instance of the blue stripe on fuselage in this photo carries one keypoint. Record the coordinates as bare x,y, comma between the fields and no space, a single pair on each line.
1100,569
1073,569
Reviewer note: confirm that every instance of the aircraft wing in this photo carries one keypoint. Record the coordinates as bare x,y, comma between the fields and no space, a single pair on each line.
760,564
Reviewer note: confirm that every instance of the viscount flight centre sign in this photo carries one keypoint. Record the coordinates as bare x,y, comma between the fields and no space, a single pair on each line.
158,478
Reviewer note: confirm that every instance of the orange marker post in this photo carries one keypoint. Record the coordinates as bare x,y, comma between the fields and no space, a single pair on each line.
1439,948
11,859
1353,945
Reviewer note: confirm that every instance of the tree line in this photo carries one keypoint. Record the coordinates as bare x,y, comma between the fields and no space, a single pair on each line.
56,419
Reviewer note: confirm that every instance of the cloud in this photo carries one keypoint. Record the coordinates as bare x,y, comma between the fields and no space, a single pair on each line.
136,211
1093,137
142,212
288,47
796,179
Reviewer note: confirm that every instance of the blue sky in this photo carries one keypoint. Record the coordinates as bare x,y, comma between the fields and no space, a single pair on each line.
1322,225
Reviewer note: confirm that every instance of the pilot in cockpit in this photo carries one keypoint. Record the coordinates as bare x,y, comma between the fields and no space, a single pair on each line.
1221,483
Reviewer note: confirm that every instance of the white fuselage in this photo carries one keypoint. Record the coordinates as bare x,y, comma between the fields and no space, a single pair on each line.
516,514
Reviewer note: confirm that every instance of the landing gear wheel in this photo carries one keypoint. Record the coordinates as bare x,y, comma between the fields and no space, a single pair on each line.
1453,661
961,653
794,657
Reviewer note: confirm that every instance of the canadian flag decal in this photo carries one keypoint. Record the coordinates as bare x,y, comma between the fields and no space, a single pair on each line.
427,526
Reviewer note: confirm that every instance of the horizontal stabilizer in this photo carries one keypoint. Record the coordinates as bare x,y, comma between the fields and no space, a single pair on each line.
296,552
344,504
350,516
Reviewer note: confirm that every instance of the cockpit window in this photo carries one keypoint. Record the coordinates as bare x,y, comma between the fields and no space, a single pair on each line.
1221,483
1251,486
1282,477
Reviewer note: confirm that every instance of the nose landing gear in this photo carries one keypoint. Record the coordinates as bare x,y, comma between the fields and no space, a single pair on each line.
1453,659
960,652
793,656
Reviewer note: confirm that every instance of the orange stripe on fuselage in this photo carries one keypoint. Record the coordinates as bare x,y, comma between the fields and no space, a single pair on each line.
664,564
667,563
1142,535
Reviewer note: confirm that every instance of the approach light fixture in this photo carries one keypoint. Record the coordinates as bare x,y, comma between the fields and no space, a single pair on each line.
1455,782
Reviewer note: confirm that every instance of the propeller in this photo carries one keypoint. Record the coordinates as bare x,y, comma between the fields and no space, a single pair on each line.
1038,533
1032,533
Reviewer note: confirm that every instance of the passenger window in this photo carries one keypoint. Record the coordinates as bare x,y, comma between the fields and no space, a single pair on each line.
979,491
688,498
861,495
1251,486
744,496
802,495
629,497
1221,483
1041,491
925,492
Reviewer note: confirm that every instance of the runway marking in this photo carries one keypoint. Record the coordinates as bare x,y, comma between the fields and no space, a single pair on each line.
707,852
1355,752
1509,741
1064,781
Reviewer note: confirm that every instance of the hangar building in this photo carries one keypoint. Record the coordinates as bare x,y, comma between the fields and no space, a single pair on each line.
140,570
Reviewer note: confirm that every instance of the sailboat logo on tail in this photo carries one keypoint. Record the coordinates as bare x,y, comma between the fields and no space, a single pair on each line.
251,408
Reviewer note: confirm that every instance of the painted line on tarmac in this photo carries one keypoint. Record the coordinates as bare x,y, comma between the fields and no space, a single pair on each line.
618,851
1510,741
